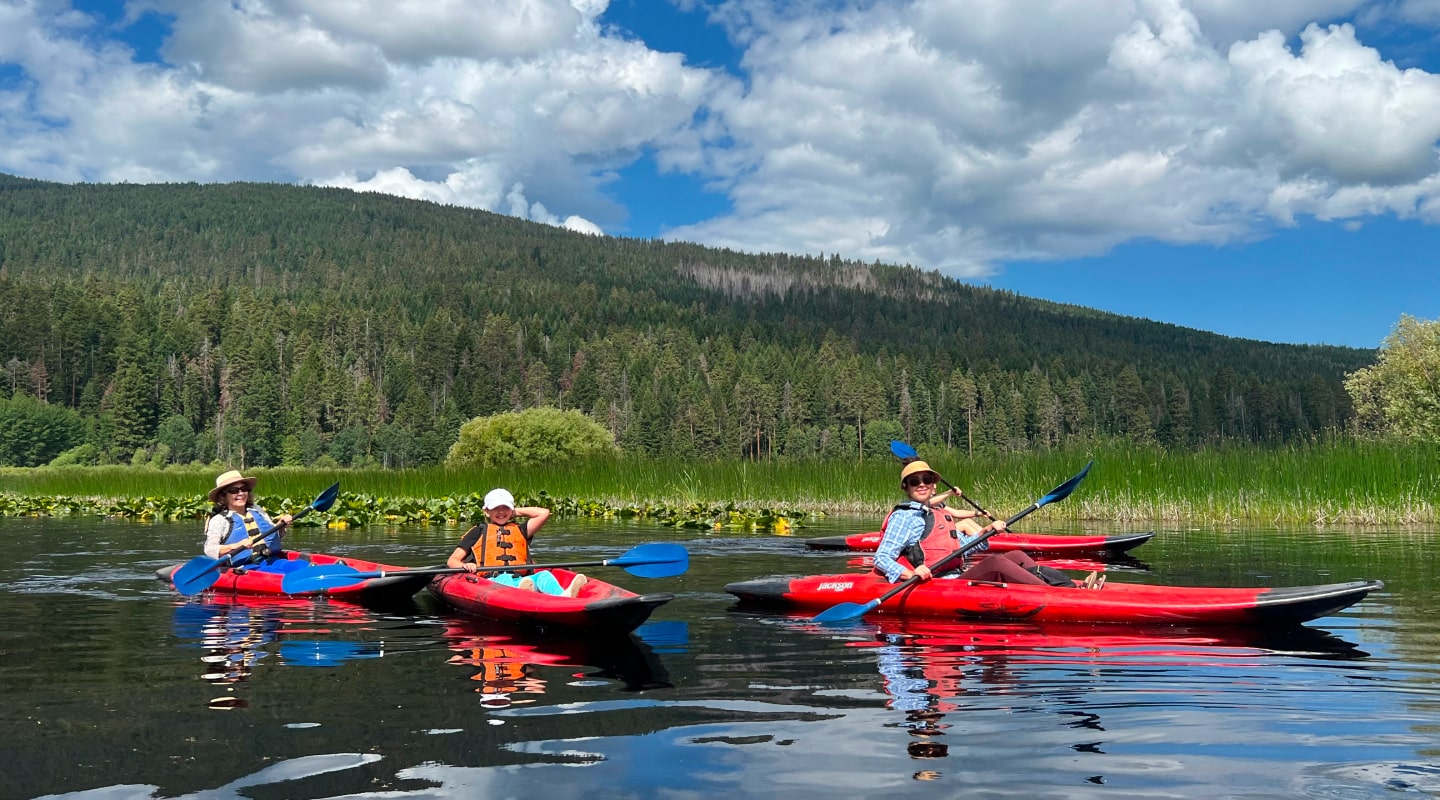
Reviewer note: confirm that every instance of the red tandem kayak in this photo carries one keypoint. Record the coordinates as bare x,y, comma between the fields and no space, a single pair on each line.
392,587
600,606
958,599
1001,542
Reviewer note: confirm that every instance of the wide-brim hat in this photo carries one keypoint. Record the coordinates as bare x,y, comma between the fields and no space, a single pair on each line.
914,467
230,478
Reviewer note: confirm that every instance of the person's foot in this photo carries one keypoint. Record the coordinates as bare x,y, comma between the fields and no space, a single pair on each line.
576,585
1089,582
527,583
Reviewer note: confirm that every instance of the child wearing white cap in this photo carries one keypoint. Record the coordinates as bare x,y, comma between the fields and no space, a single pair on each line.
504,541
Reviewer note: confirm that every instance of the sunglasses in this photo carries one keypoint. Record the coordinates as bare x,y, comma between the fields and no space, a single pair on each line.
926,478
237,489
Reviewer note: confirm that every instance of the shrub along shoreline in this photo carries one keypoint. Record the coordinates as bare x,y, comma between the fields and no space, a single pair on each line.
1346,482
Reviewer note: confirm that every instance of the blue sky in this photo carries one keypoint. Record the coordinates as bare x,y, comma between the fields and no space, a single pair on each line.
1261,170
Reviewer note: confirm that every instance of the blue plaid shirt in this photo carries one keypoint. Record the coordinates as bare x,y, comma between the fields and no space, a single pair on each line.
905,527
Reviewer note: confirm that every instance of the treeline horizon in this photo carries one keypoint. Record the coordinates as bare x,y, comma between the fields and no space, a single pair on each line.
264,325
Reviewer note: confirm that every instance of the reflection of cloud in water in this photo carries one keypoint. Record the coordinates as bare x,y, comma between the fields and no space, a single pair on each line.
563,756
1335,780
289,770
466,782
749,744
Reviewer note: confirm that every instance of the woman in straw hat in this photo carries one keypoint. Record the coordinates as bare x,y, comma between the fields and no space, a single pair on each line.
911,534
235,518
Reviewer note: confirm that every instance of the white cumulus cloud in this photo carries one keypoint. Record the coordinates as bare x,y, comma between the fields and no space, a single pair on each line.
960,133
457,101
954,134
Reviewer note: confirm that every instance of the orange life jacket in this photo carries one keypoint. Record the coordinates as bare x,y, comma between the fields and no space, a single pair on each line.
939,539
505,545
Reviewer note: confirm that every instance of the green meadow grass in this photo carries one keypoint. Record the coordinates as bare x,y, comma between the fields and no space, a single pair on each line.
1345,482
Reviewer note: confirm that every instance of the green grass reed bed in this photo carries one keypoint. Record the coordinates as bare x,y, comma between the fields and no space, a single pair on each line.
1344,483
1339,483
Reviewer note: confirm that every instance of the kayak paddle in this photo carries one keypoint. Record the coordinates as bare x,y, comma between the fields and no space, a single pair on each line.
201,572
844,612
903,451
655,560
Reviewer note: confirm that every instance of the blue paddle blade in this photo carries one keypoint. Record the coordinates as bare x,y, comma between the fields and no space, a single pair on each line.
326,498
197,575
901,450
322,576
845,612
659,560
1063,490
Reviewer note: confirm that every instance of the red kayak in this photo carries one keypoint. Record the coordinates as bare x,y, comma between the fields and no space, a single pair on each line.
392,587
600,606
958,599
1000,542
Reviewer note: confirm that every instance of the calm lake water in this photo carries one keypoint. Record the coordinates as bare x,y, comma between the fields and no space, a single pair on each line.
116,688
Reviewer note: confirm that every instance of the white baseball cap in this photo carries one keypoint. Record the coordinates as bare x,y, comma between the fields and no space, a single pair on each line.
499,498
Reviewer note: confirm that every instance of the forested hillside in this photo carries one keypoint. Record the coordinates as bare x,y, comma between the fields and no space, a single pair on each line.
265,324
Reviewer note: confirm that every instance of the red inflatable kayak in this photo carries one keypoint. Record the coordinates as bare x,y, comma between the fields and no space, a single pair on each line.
958,599
264,582
600,606
1000,542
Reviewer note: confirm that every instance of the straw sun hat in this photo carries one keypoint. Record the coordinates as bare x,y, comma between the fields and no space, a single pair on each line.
914,467
227,479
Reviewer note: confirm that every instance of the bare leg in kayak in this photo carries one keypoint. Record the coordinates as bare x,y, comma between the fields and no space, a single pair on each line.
1011,567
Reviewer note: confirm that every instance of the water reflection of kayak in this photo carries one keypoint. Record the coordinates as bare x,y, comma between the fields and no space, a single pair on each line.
1029,542
266,580
504,658
600,606
235,633
1157,644
959,599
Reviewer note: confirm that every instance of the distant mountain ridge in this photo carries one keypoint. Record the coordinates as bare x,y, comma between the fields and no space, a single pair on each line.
399,318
